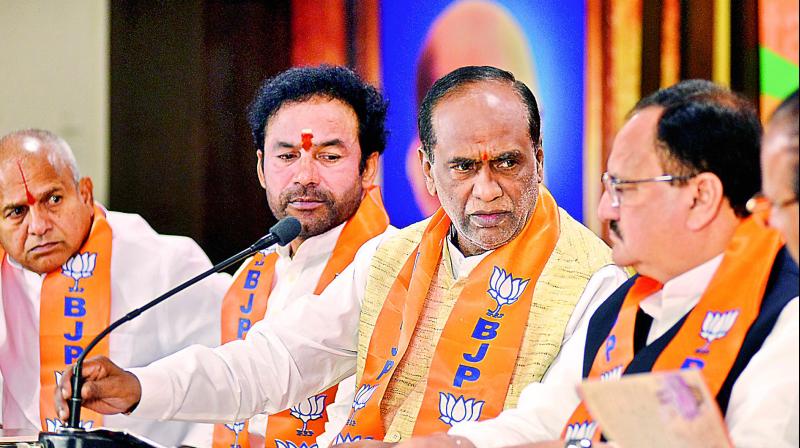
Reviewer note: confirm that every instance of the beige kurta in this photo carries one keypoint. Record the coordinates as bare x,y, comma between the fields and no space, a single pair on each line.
578,254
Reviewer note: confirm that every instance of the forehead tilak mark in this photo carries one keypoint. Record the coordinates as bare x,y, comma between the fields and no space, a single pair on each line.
305,137
28,195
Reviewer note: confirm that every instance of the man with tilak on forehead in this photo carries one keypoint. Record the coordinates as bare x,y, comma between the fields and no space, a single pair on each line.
70,268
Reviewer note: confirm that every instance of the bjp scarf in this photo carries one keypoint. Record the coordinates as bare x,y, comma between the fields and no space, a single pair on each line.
714,331
75,307
246,303
475,356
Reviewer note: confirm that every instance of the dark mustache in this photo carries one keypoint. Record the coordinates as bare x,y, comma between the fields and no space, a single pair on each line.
305,192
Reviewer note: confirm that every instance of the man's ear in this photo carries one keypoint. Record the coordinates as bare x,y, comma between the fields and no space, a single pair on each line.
427,166
260,168
370,170
86,191
707,199
539,151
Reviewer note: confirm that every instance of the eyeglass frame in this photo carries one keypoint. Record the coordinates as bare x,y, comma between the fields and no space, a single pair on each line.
610,182
760,204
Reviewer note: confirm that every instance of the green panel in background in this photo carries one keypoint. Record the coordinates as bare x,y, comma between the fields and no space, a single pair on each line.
779,76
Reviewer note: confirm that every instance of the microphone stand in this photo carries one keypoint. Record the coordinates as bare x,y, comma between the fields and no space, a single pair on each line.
66,437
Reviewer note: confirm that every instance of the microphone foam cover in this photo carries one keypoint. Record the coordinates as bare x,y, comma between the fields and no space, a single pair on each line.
286,230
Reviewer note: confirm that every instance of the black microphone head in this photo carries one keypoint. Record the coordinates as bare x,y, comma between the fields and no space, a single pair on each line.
286,230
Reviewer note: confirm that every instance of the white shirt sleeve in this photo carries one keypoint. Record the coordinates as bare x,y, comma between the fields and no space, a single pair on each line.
544,408
311,347
338,412
144,265
763,409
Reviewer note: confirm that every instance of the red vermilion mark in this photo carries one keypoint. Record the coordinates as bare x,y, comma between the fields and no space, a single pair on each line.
484,156
306,136
31,199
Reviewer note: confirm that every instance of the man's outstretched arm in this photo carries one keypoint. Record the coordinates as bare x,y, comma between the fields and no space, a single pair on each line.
311,346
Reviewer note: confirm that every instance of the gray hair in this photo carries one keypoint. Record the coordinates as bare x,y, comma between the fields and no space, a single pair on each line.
58,148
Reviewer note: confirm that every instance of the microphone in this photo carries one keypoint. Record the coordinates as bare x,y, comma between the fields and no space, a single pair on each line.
281,233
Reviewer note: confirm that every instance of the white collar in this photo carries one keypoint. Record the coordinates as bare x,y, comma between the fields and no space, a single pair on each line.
682,293
318,245
461,265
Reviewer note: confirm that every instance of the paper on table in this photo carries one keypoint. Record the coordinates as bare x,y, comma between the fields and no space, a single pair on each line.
657,410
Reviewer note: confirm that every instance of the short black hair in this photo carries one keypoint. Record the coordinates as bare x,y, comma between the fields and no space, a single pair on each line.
678,93
707,128
460,77
332,82
788,112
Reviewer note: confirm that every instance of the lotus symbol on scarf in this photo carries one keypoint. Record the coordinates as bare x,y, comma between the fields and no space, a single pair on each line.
504,289
454,410
235,427
578,431
261,255
716,326
53,424
79,266
347,438
363,394
308,410
290,444
613,374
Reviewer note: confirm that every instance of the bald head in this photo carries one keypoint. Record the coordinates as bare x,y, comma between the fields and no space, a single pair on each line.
46,208
39,143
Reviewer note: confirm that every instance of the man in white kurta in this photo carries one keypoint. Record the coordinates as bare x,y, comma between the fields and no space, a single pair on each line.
296,275
312,344
318,133
144,265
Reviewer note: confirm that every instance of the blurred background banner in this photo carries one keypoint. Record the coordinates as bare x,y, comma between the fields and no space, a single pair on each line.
541,42
778,52
153,95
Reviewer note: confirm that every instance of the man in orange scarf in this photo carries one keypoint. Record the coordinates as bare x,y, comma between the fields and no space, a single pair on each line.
444,321
68,267
716,290
319,132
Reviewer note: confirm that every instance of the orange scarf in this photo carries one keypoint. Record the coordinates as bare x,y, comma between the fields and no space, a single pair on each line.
714,330
246,303
476,354
75,306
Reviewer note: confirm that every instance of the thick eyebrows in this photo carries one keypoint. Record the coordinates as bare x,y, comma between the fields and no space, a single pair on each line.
24,203
506,155
288,145
460,159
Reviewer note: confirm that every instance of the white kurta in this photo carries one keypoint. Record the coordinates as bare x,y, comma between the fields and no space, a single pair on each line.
312,346
295,276
144,265
763,407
